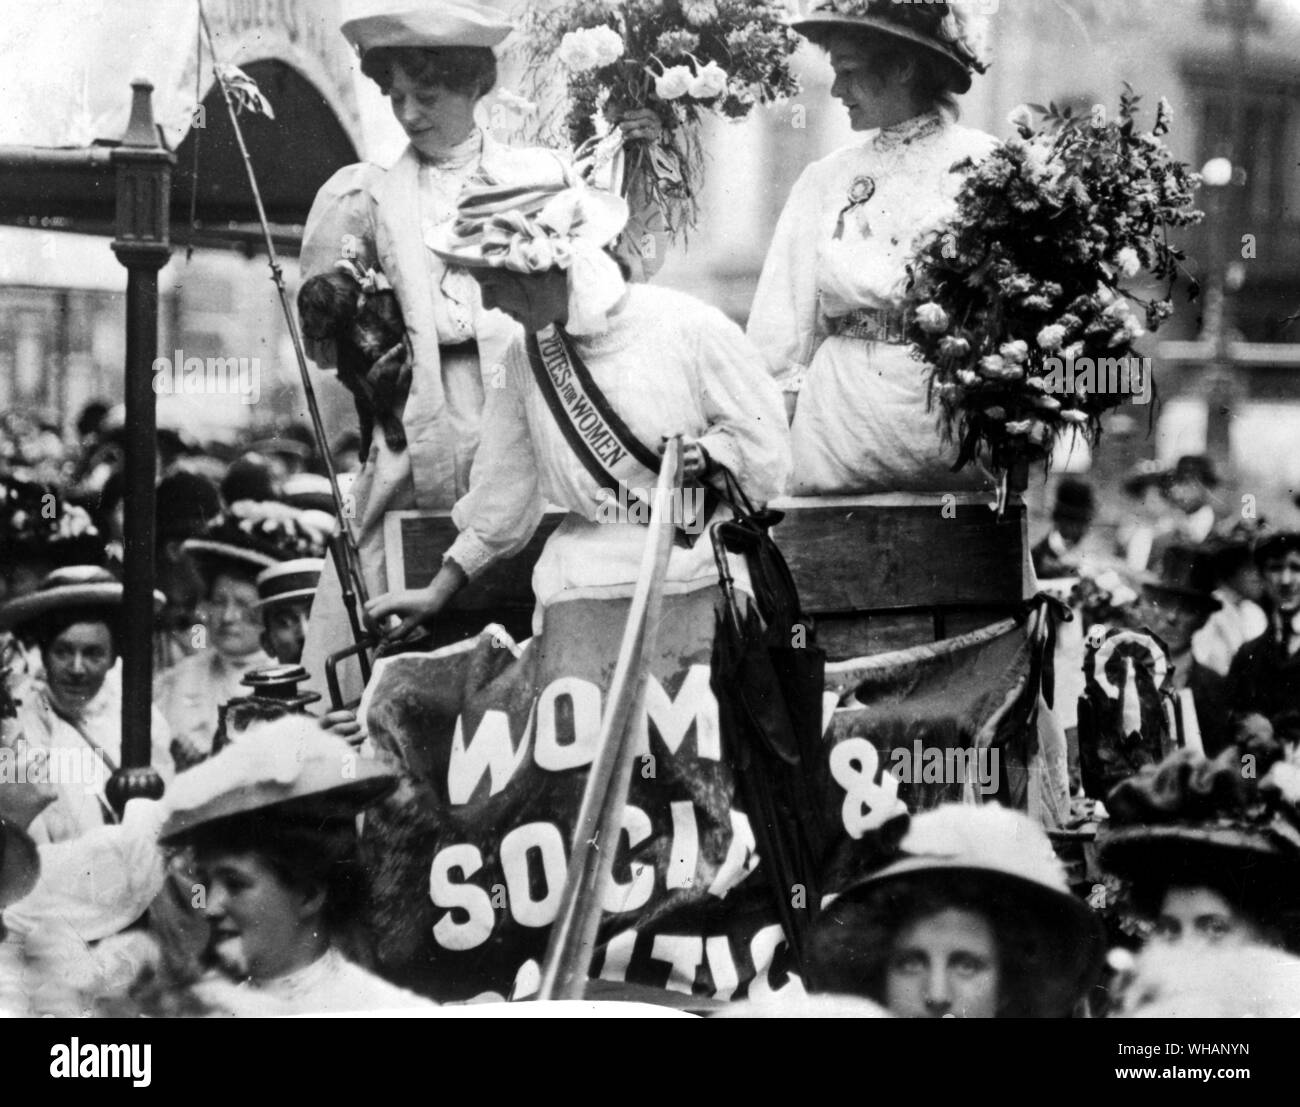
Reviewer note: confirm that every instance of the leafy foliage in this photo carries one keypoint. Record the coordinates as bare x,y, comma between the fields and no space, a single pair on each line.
1048,229
680,58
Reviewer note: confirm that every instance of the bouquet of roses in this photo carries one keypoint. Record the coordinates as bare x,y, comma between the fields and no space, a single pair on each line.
680,58
1027,281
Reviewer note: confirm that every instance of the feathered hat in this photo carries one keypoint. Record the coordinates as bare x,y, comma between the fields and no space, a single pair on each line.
1189,818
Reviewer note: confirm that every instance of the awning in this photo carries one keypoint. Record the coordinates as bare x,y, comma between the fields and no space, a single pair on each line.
65,72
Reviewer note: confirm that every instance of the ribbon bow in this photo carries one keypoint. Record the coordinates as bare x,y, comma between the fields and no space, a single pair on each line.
371,280
554,239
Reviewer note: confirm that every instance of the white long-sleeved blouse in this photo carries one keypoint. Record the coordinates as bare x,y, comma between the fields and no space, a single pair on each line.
810,276
669,365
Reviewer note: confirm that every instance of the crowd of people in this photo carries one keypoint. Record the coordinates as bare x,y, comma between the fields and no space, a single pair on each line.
242,890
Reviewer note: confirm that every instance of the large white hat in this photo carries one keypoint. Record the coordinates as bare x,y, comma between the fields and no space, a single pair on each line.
440,23
1011,859
272,764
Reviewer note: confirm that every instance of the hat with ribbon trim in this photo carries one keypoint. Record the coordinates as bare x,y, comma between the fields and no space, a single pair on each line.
532,229
289,581
72,588
950,31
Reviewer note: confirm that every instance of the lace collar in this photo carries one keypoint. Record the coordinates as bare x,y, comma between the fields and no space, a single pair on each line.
907,132
455,157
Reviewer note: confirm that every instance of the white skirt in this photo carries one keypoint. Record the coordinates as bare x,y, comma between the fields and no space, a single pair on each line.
861,426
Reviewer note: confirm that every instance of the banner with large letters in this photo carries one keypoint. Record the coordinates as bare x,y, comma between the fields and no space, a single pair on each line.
470,856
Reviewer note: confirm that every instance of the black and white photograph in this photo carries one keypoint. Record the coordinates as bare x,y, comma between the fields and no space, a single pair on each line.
651,509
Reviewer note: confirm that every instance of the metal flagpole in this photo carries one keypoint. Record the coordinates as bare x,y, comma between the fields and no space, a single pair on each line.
347,557
623,736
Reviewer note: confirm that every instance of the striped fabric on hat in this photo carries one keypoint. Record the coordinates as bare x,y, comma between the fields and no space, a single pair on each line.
529,228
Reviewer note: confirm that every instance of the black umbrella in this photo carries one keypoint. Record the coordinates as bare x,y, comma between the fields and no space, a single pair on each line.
768,678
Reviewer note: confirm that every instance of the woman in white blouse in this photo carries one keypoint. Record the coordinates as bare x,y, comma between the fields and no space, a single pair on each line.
826,314
435,64
666,363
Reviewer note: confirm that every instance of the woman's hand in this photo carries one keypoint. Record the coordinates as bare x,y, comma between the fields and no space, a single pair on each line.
416,607
696,463
638,124
342,724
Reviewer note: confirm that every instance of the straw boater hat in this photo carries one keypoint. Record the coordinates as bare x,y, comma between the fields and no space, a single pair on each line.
944,30
432,23
1013,859
288,768
79,586
289,581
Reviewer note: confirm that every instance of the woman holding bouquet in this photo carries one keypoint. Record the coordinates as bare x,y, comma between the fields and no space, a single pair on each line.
435,63
827,312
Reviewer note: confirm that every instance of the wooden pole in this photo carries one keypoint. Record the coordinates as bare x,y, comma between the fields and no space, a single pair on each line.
623,736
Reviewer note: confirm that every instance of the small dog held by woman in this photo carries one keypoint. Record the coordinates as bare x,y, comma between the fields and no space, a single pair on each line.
358,311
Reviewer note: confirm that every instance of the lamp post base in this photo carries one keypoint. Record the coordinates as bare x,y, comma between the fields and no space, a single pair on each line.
133,783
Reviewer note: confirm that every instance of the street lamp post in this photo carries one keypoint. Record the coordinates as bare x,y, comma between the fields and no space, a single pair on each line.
1225,175
143,169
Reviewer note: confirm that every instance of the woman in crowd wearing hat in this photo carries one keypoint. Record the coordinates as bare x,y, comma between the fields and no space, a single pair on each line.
72,709
229,557
1212,854
66,937
972,920
434,62
268,829
826,313
1264,679
1147,516
285,593
663,363
186,502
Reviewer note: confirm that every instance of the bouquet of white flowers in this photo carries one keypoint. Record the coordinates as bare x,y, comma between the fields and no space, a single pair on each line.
1026,283
680,58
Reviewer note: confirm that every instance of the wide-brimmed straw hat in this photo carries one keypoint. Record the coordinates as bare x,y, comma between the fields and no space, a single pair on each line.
289,581
433,23
20,863
252,537
283,765
78,586
528,228
1010,855
941,29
